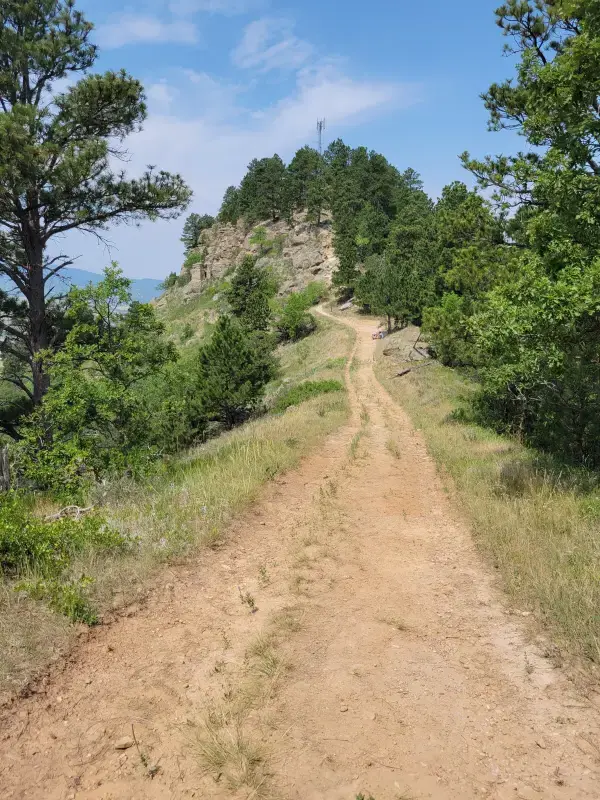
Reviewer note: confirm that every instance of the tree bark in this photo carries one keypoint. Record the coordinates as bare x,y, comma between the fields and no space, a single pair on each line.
39,338
4,470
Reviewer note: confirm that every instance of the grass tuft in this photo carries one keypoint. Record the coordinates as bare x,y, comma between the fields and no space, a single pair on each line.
226,751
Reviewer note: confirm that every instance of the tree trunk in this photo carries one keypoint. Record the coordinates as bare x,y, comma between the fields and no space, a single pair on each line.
4,470
39,338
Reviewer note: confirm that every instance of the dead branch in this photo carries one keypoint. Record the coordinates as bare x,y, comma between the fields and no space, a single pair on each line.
72,512
414,369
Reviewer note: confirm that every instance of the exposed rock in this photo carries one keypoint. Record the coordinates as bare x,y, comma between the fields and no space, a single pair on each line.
301,253
124,744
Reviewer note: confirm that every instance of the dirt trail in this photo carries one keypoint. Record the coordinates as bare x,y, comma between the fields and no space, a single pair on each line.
395,669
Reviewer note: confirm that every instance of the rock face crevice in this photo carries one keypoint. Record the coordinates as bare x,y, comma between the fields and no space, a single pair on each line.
299,253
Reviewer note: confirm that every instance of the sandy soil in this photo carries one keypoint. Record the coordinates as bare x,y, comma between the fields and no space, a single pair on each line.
347,639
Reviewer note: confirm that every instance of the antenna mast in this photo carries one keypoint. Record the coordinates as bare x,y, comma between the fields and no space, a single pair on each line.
320,129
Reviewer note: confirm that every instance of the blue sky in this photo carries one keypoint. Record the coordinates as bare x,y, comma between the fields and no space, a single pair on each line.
229,80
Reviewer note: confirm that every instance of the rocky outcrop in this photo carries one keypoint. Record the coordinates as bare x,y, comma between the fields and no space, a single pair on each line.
297,253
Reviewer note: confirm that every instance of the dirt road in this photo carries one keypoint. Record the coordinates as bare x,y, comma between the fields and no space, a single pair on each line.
347,639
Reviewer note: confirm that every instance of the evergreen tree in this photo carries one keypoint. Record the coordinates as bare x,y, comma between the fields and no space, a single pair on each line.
305,184
194,225
316,196
372,230
230,207
344,202
472,259
411,250
363,189
249,295
234,369
55,152
383,289
262,191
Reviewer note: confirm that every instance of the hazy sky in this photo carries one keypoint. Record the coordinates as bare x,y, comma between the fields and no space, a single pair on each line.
230,80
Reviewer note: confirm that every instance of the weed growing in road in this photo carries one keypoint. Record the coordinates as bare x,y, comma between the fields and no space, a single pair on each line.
264,659
247,599
356,439
393,448
228,753
263,576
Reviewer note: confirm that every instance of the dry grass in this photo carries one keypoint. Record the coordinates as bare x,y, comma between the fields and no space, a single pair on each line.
31,636
196,313
264,658
321,356
354,444
288,620
226,751
537,523
226,739
393,447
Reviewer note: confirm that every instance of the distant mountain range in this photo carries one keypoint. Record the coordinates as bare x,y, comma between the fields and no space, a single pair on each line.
142,289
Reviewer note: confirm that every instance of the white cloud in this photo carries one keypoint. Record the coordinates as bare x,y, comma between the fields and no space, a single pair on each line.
187,7
270,43
161,96
126,28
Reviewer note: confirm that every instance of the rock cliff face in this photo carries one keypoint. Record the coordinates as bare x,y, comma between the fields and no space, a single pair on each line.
297,253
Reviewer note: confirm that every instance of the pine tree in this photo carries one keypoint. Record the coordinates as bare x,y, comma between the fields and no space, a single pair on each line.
55,155
305,184
411,249
372,230
249,295
262,191
194,225
234,369
230,207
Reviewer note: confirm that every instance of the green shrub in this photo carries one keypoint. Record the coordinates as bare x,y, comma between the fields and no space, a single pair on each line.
193,258
27,543
45,550
169,281
305,391
68,598
186,333
315,292
294,322
261,239
94,419
184,278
